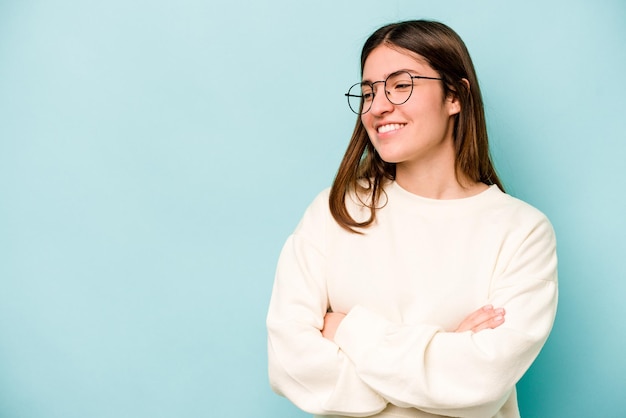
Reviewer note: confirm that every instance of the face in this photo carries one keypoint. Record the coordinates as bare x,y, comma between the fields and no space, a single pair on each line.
419,132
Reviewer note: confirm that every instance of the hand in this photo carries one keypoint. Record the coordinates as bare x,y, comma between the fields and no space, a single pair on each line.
484,318
331,322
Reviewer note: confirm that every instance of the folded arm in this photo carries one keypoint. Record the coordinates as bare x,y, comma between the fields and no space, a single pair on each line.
374,361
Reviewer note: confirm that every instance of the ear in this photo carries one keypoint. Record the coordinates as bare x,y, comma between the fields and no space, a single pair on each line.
453,102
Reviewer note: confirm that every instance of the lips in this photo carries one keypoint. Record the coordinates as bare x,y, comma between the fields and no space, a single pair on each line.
383,129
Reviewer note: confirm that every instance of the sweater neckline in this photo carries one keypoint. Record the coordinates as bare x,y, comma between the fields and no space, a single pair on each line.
395,189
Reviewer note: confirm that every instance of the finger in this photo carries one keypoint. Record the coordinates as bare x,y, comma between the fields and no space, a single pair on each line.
475,318
487,316
491,322
483,318
331,323
481,315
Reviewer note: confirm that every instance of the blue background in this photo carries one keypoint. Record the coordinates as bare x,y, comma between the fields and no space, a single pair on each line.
154,156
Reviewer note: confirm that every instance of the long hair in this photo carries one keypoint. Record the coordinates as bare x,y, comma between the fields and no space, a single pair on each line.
364,173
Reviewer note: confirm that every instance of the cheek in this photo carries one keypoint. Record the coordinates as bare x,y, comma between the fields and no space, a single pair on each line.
428,114
367,124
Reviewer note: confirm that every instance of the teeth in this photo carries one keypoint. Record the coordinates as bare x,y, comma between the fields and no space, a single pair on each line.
388,128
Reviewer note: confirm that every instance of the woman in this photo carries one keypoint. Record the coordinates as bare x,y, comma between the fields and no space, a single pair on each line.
415,287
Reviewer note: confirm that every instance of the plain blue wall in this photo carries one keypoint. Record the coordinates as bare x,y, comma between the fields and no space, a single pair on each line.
154,156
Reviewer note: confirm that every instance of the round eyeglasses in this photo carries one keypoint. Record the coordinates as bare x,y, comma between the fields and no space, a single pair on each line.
398,88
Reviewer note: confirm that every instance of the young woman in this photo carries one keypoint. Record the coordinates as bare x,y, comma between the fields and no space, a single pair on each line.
414,287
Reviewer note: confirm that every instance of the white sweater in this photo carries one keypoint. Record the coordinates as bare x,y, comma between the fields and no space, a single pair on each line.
405,285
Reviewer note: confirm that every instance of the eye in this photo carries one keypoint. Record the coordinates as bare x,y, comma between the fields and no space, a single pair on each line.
401,85
367,93
400,82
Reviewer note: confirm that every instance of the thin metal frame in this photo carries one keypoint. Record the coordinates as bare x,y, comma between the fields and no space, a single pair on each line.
372,84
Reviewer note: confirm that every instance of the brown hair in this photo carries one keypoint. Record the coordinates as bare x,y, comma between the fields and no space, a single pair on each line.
363,172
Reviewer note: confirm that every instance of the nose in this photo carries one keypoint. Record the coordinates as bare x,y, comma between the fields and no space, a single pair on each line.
380,103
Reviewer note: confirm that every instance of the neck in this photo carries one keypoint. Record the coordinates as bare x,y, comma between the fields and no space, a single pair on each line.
437,181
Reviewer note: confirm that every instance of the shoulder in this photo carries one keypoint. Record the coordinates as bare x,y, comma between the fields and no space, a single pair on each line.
518,218
319,204
356,202
514,208
316,214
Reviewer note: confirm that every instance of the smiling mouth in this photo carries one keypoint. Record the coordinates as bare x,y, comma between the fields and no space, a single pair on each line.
390,127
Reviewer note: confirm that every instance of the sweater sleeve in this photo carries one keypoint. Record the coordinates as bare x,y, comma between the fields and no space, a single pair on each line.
462,374
305,367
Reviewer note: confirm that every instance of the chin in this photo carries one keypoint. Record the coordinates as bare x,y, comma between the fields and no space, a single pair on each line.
390,158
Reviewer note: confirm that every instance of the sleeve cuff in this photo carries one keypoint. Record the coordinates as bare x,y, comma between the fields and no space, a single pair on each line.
360,331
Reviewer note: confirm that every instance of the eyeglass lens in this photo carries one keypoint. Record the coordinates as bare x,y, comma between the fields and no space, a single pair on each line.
398,88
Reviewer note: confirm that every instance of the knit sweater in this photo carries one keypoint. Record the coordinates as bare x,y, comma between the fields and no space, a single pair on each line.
405,284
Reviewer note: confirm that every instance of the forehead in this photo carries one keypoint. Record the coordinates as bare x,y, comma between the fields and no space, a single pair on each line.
384,60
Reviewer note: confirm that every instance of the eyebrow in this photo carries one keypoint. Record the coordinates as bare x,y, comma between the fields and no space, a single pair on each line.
408,70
